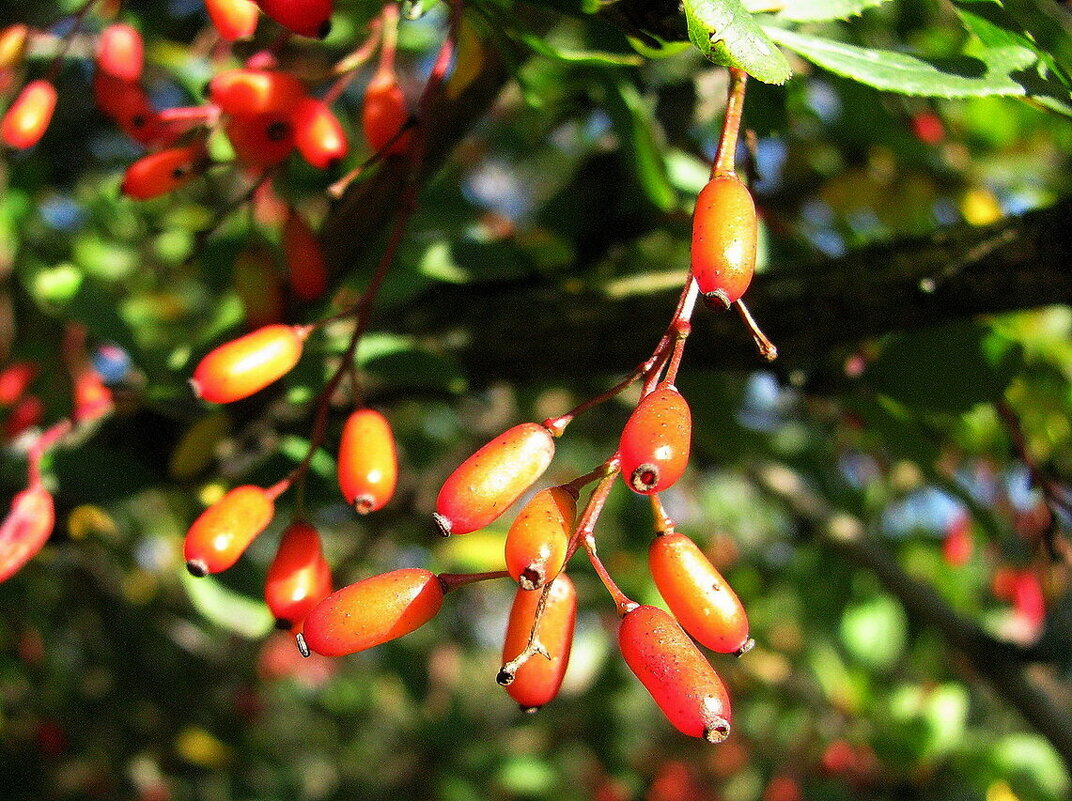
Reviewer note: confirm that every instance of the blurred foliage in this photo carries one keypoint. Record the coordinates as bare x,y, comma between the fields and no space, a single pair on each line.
121,677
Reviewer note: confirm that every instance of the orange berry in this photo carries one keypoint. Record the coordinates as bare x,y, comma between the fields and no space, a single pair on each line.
305,17
120,52
234,19
26,528
13,41
163,172
725,232
238,368
251,92
656,441
368,461
299,577
262,140
15,379
318,133
28,117
384,112
538,679
537,540
225,529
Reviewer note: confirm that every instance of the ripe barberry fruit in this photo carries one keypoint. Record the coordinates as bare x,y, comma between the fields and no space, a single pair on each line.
701,600
163,172
656,441
128,105
225,529
318,133
488,482
26,528
305,17
299,577
539,678
120,52
725,232
539,536
13,41
28,117
250,92
373,611
238,368
263,140
368,461
384,112
303,258
677,675
28,412
15,379
234,19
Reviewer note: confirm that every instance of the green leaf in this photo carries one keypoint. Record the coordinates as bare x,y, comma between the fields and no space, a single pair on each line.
1048,26
874,632
634,120
247,617
815,10
963,76
728,35
592,57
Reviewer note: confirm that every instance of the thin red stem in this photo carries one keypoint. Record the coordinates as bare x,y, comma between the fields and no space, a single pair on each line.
348,67
731,124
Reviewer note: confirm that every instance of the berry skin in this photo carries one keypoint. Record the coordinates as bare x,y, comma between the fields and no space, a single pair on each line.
163,172
373,611
249,92
15,379
26,528
262,140
537,540
304,260
318,133
224,530
120,52
27,412
701,600
725,232
490,480
677,675
234,19
238,368
28,117
299,577
384,112
305,17
537,680
368,461
656,440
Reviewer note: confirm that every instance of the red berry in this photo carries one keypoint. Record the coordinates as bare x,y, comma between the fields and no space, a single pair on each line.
28,117
26,528
262,140
28,412
92,399
234,19
238,368
538,679
120,52
701,600
490,480
163,172
305,17
677,675
537,540
373,611
304,259
384,112
318,133
957,546
225,529
299,577
368,461
725,232
128,104
656,440
15,379
250,92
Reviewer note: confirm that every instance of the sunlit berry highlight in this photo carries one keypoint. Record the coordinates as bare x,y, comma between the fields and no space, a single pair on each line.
233,19
299,577
538,679
368,461
538,538
225,529
246,365
318,134
656,441
120,52
29,116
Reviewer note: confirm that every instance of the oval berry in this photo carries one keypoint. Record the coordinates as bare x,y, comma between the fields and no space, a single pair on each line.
27,412
15,379
368,461
13,41
238,368
234,19
490,480
120,52
725,232
383,113
677,675
701,600
299,577
656,440
539,678
163,172
373,611
262,140
305,17
225,529
304,259
28,117
26,528
318,133
250,92
539,536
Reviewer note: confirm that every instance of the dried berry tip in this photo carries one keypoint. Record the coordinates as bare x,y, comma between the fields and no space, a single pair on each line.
197,568
746,646
531,578
303,647
717,300
645,477
504,678
718,731
363,504
442,523
282,624
528,710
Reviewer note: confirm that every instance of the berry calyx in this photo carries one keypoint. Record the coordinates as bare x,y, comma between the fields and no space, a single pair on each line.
28,117
656,441
539,678
538,538
672,669
368,461
222,532
234,19
373,611
383,113
701,600
318,133
163,172
26,528
120,52
238,368
299,577
489,481
725,232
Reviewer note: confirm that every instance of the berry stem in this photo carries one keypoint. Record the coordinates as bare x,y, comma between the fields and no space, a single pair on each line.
451,581
731,125
664,524
509,670
347,68
587,524
622,602
766,348
389,20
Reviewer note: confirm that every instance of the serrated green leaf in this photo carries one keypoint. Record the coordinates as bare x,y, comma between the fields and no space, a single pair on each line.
591,57
889,71
814,10
728,35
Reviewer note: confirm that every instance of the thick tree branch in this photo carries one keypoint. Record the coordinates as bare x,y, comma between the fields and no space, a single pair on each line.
809,310
1002,664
